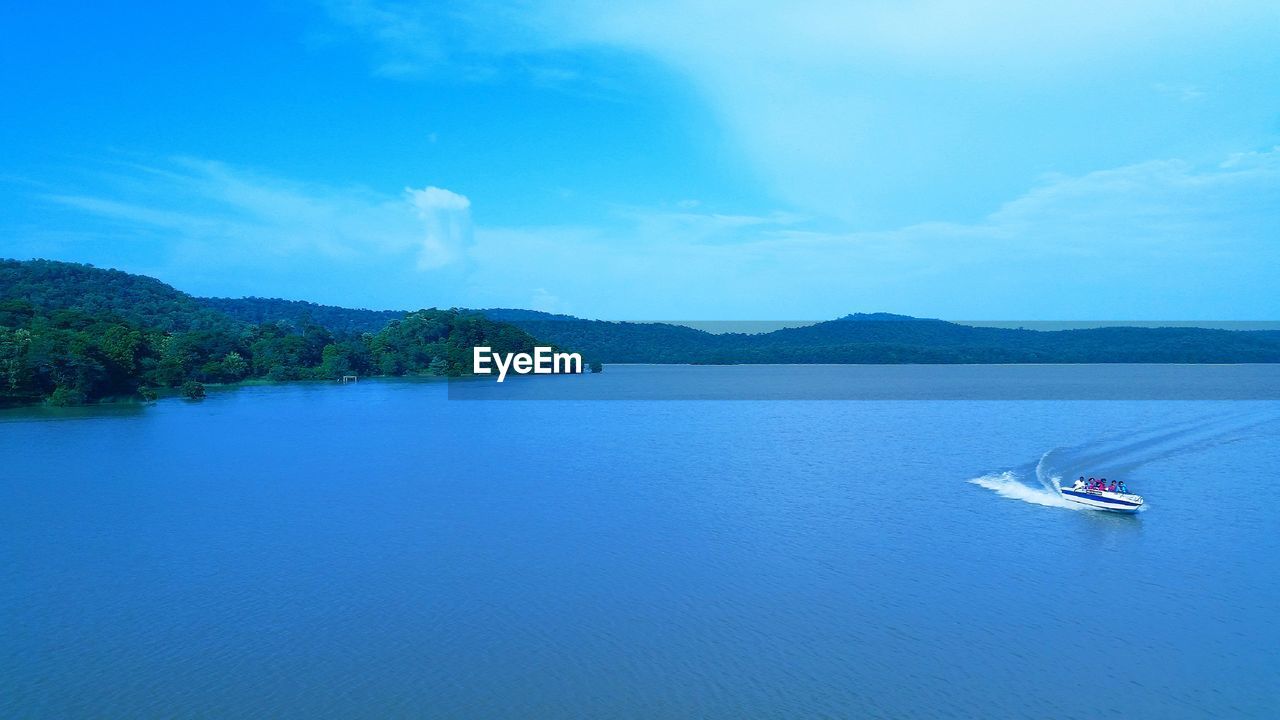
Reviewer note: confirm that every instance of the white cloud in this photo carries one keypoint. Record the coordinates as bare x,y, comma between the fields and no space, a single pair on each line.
1132,241
874,111
882,113
209,220
237,215
447,218
1144,241
469,40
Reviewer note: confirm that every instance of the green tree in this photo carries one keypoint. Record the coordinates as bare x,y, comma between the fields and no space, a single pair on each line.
122,345
335,361
234,366
15,371
193,390
74,333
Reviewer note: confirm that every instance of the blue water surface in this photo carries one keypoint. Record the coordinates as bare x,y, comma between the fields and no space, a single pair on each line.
378,550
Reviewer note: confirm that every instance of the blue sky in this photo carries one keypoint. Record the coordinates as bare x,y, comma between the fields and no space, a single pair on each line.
676,160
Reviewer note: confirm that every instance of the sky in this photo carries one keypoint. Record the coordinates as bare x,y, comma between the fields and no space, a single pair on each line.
689,160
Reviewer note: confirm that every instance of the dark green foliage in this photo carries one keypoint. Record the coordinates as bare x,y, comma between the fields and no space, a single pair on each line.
140,300
350,357
440,342
68,357
616,342
71,334
256,311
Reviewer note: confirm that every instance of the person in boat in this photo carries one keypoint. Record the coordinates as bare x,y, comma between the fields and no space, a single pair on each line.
1093,482
1079,484
1112,487
1123,489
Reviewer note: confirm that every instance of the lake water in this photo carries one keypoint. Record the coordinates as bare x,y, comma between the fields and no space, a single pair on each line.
378,550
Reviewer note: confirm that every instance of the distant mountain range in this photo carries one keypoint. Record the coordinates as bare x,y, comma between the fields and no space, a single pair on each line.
888,338
857,338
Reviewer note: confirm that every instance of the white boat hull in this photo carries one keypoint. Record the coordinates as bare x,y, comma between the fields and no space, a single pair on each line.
1103,500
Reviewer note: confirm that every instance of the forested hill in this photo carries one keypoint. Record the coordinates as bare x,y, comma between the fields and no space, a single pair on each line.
74,333
885,338
71,334
144,301
258,310
617,342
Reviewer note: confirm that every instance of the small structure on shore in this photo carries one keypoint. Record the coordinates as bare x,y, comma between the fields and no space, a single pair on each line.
349,379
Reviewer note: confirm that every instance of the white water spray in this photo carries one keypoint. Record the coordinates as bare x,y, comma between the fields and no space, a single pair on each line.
1007,484
1051,482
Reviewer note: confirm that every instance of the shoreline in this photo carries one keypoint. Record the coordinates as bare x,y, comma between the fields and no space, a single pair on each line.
176,393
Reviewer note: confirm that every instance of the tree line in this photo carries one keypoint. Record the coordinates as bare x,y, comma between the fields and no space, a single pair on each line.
894,339
71,357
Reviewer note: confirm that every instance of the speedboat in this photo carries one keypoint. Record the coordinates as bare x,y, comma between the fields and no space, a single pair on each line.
1103,499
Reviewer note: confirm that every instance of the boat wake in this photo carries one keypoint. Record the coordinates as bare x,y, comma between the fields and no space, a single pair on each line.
1007,484
1040,483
